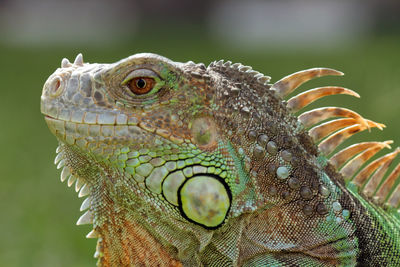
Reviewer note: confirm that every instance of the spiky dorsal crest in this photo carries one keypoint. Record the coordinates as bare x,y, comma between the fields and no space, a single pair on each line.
329,135
241,71
350,161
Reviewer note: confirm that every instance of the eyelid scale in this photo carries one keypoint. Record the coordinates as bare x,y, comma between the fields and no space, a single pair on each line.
140,73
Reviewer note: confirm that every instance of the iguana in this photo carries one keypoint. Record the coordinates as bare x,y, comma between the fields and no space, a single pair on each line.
188,165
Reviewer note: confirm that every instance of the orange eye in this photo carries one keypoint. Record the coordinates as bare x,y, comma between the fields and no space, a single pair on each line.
141,85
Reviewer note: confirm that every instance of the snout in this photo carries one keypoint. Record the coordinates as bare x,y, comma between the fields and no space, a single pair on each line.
67,85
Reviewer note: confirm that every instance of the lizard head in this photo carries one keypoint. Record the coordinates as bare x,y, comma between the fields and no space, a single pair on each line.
140,135
115,102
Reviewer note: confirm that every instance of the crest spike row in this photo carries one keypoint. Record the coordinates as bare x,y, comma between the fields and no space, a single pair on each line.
79,60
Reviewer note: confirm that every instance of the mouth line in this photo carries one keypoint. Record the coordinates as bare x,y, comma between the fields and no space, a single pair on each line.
157,131
50,117
47,117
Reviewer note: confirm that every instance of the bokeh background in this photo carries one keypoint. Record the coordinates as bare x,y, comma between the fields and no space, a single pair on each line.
38,213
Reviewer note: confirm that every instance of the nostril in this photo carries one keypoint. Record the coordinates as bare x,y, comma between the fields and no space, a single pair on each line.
55,86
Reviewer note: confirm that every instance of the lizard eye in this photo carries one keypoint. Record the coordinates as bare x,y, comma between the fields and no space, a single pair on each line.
141,85
142,81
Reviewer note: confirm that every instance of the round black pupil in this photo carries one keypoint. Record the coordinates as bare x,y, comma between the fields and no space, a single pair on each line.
140,83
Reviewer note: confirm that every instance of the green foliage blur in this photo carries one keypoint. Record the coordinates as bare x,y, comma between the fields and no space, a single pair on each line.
38,212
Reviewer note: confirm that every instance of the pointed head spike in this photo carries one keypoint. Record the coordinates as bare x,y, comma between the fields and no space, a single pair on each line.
79,60
65,63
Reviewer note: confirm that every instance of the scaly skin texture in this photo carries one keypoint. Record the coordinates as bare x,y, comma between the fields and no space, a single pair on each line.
211,167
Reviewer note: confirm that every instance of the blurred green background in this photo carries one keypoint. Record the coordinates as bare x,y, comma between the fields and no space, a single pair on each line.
38,213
